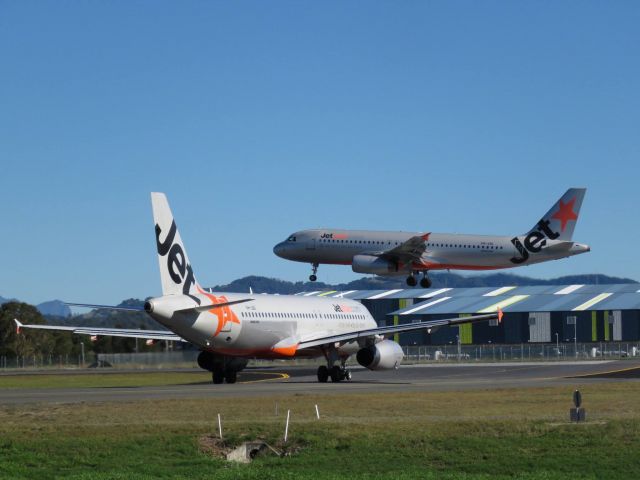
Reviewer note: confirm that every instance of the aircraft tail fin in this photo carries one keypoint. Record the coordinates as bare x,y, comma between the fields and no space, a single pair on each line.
559,222
176,273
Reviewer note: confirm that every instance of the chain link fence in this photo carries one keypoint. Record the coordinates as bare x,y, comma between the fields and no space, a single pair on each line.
413,354
524,352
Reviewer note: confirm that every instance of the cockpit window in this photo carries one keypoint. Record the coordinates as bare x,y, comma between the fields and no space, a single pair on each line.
292,238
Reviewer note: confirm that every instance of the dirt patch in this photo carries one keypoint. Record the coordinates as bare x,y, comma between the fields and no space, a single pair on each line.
213,446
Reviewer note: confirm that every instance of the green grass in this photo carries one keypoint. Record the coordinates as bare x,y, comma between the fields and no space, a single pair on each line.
510,433
97,379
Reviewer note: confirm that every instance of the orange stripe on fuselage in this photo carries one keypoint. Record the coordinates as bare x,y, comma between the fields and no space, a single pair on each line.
286,351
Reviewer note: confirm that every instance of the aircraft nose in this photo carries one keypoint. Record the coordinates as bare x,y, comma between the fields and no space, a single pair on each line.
279,249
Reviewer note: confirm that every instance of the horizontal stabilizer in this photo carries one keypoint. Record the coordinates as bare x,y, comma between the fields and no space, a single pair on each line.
109,307
107,332
211,306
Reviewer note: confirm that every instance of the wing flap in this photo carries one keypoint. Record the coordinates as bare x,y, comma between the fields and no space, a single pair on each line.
408,251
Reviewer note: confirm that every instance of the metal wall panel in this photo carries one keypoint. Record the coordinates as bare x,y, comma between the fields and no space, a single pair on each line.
617,325
539,327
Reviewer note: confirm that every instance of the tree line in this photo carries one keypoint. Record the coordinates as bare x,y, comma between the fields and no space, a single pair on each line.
41,343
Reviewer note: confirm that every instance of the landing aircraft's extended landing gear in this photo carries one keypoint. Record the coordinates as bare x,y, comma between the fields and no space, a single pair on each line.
425,281
411,280
314,270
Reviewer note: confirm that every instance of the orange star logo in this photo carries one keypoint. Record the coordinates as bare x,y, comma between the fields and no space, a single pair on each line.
224,314
565,213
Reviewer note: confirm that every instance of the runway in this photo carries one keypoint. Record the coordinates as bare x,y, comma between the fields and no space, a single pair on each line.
302,380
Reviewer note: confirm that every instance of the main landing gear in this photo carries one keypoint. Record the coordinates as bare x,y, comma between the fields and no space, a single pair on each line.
220,375
223,369
314,270
425,281
335,373
331,371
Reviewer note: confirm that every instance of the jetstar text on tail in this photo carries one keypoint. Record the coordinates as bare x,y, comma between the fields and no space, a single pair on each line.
534,241
179,270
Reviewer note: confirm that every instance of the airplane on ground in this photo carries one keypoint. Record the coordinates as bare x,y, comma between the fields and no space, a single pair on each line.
231,328
408,253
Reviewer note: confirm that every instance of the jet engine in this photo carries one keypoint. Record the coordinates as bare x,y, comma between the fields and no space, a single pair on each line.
373,264
381,356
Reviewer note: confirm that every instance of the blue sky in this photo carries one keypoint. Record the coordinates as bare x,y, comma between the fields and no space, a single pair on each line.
261,118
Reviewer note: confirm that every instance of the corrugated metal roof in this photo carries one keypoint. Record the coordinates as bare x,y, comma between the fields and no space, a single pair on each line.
544,298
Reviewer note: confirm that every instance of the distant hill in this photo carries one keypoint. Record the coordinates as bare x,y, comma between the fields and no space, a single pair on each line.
273,285
55,308
103,317
57,312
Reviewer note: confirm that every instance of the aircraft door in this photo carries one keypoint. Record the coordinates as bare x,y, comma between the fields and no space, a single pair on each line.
311,244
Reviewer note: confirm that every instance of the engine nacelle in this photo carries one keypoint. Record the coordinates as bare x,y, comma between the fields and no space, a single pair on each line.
373,264
381,356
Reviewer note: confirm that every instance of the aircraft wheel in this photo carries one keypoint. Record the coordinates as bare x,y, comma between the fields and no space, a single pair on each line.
346,373
335,373
425,282
313,278
411,281
231,376
217,376
323,374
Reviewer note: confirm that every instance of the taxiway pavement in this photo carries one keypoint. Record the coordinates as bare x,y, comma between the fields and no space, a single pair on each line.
302,380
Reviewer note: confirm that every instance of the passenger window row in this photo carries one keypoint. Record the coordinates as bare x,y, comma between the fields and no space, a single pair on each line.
254,314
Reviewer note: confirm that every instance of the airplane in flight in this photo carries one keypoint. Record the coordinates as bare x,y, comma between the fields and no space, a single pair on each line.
409,253
230,328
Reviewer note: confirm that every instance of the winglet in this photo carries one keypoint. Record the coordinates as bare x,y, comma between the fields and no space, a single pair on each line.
425,237
500,315
18,325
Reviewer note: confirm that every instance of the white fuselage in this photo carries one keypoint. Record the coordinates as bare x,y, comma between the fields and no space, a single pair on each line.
267,326
443,250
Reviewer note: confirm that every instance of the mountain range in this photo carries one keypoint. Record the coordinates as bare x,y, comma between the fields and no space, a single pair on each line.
272,285
60,312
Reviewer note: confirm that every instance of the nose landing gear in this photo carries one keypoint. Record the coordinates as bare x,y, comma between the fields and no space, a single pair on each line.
314,270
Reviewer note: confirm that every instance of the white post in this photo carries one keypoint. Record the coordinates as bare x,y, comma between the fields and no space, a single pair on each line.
317,412
286,428
220,426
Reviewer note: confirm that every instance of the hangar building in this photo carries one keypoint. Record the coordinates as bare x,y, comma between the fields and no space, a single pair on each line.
542,314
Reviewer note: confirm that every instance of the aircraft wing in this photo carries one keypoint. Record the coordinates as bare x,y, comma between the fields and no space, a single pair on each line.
408,327
107,332
408,251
